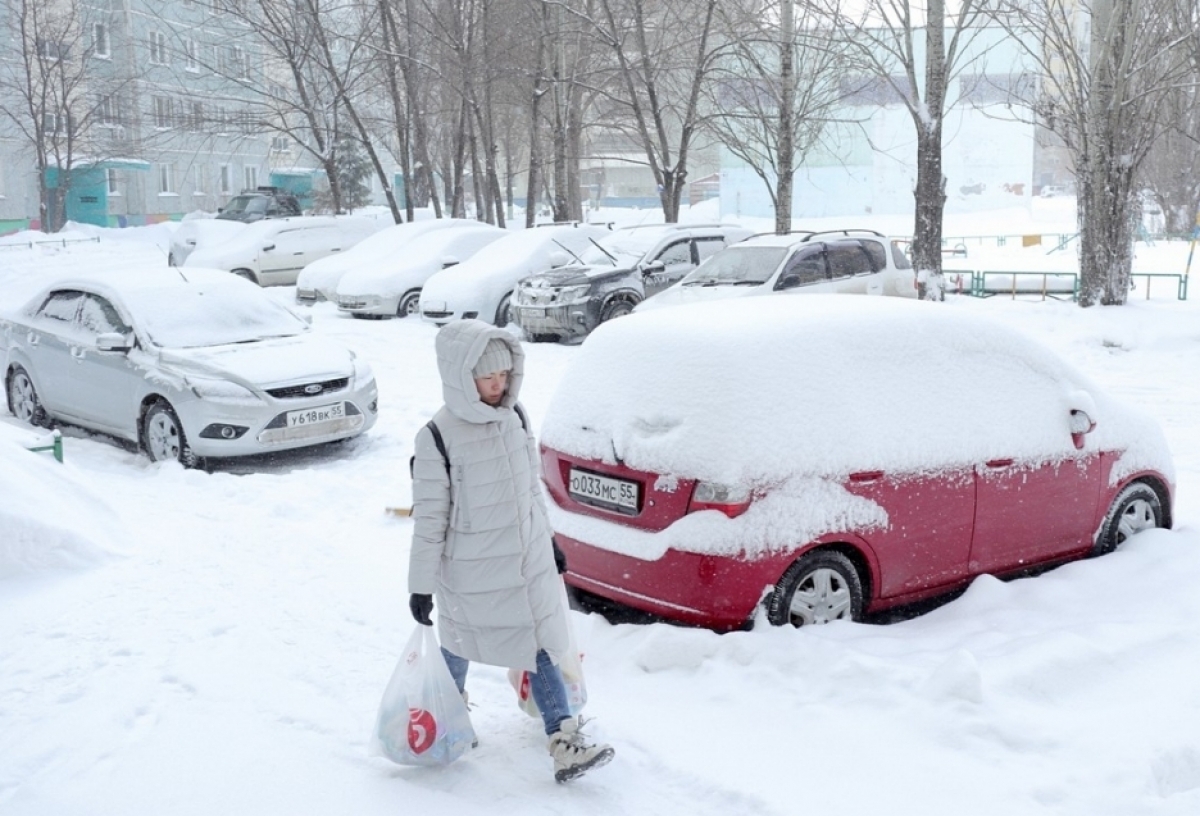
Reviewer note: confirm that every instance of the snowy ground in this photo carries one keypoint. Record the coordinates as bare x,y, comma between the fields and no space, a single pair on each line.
184,642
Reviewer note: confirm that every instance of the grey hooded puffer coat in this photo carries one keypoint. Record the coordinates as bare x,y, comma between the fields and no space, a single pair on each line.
481,536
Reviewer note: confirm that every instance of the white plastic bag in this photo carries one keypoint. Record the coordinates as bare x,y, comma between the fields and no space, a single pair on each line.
422,719
572,673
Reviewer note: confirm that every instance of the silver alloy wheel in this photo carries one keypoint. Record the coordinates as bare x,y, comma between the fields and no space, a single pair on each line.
410,305
1139,515
820,597
164,437
22,397
504,312
1136,508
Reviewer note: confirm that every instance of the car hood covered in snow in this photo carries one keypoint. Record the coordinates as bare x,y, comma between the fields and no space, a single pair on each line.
267,363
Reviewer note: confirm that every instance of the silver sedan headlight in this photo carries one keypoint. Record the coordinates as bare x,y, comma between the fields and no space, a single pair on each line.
223,391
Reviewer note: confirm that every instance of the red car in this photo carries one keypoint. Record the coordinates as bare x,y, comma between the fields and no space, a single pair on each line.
795,454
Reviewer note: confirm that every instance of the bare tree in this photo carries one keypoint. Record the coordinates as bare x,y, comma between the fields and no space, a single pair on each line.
888,36
776,91
50,99
665,52
1108,68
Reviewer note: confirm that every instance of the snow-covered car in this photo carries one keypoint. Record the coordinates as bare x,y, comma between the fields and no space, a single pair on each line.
272,252
619,271
482,286
194,232
319,280
784,457
392,287
862,262
261,202
188,365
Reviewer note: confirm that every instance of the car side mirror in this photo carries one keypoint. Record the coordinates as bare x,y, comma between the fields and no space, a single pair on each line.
1081,424
448,261
113,341
790,281
652,267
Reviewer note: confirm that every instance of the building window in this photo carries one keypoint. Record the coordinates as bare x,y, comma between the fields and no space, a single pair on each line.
52,123
279,144
191,51
166,179
200,185
51,49
158,48
113,189
164,112
251,177
196,117
100,44
225,179
106,112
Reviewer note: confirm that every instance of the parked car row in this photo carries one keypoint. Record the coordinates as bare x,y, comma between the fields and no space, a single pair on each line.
690,475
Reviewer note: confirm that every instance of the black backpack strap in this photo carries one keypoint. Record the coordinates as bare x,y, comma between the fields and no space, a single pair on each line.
521,413
441,443
438,442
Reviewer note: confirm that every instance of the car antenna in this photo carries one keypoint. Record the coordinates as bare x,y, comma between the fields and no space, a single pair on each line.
180,271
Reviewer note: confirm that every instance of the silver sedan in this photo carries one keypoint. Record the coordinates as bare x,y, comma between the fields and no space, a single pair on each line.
187,366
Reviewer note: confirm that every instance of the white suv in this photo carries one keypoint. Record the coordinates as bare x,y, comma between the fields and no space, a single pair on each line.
861,262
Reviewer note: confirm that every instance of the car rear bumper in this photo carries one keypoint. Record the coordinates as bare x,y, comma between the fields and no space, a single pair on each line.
715,591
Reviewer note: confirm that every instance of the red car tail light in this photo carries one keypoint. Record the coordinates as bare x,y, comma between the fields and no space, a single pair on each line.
732,501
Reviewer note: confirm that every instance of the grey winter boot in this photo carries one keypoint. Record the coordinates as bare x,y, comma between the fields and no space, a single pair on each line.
573,754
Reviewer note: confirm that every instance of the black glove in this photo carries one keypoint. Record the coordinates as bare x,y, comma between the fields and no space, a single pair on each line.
560,559
420,606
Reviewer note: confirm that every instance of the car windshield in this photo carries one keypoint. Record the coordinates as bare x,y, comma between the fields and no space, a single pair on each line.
625,249
740,266
191,316
246,204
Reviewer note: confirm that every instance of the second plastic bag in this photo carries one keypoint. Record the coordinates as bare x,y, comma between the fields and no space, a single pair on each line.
422,719
572,672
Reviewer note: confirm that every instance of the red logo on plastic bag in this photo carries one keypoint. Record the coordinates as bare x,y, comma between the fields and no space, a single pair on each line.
523,691
422,730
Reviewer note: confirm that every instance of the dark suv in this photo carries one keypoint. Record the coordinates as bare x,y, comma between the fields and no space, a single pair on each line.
617,273
260,203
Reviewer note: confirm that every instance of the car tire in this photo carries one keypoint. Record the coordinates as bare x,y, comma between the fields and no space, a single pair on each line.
409,305
1136,508
614,309
23,399
818,587
163,438
247,274
504,311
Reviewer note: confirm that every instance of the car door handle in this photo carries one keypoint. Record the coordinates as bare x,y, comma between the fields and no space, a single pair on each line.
999,463
33,339
866,476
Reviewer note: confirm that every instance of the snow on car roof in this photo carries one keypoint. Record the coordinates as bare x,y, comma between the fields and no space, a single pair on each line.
189,307
422,250
760,389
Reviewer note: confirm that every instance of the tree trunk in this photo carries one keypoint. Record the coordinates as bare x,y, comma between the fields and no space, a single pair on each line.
930,193
787,98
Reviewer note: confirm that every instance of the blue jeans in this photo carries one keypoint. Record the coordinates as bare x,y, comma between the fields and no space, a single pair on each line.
546,685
